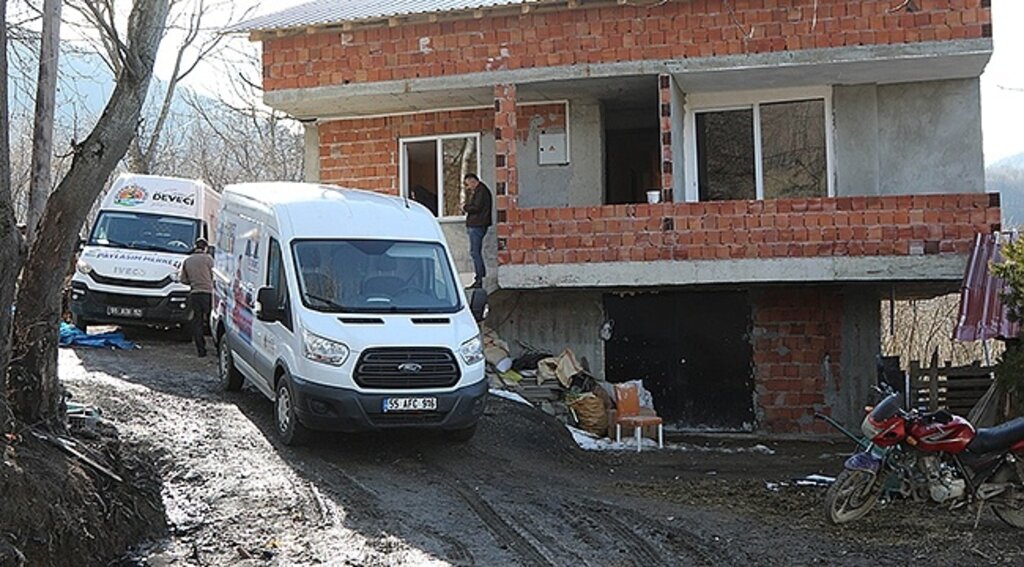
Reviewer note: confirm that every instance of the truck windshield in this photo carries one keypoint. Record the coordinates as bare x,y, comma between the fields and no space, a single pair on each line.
144,231
375,276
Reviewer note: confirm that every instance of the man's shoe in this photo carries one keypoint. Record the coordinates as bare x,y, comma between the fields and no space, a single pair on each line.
202,354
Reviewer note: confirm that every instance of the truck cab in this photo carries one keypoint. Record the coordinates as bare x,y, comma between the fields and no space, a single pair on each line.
127,271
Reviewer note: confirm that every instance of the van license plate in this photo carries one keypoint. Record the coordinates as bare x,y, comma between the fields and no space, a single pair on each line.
410,404
124,311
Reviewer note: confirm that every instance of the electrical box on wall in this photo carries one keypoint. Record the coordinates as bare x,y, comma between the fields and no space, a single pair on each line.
553,149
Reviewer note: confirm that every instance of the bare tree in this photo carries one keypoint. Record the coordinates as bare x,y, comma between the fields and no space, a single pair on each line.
32,385
198,43
42,135
11,248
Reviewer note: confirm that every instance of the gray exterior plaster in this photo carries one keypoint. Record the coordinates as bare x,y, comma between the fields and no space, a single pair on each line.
311,153
742,271
855,110
929,138
552,321
579,182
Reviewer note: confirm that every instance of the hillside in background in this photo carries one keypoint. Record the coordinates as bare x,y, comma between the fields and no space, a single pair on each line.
1006,177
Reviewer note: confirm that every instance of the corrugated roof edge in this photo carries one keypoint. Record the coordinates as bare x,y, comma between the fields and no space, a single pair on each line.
314,14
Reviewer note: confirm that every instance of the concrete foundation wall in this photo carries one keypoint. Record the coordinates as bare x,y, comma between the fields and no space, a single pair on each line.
552,321
860,345
909,138
579,182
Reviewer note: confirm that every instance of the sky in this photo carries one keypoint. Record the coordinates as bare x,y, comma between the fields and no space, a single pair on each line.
1002,84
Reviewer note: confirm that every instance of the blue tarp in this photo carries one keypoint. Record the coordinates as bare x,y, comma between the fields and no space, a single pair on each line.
72,335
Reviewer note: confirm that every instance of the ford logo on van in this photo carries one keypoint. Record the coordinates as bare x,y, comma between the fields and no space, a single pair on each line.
410,368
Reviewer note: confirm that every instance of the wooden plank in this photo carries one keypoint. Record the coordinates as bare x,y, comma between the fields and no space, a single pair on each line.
933,380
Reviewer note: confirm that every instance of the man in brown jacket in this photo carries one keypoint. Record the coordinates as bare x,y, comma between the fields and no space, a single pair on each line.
478,220
197,273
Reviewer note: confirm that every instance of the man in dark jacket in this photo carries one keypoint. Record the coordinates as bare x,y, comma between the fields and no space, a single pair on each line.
478,220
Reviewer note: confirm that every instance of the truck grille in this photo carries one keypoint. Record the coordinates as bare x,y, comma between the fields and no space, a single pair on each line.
152,284
380,368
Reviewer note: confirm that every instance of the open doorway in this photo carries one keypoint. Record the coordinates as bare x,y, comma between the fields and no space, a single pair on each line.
693,352
632,145
421,173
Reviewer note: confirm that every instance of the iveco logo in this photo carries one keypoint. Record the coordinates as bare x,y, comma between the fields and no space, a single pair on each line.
410,368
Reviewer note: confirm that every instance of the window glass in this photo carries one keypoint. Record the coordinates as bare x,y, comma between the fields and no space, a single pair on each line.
725,155
143,231
364,276
277,280
460,158
793,149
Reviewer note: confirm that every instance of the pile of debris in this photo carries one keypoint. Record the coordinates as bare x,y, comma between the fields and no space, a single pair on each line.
560,385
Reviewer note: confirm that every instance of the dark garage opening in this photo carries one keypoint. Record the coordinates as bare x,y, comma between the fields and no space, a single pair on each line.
693,352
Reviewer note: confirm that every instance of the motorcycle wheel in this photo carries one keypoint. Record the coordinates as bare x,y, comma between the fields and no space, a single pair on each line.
1009,506
851,496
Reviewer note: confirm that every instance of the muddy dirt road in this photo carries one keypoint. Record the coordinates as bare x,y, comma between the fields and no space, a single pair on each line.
520,493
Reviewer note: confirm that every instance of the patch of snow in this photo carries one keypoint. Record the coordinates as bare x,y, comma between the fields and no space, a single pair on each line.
815,480
515,397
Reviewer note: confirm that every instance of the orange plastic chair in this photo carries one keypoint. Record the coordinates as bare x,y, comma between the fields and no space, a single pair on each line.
627,406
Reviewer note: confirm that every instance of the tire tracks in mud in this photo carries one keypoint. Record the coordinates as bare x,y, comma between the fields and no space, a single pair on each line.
369,507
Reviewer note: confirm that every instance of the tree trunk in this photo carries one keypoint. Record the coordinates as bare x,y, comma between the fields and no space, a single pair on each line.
11,249
32,382
42,135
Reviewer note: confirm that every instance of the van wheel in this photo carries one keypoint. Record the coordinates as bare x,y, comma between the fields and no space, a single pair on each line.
230,377
81,322
289,430
461,435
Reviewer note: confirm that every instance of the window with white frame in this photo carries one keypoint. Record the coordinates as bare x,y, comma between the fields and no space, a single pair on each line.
433,169
759,147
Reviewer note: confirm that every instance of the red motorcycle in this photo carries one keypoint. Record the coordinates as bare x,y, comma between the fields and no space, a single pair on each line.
937,457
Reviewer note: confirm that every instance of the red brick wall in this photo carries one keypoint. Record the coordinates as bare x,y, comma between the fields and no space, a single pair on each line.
796,342
673,30
841,226
363,153
506,125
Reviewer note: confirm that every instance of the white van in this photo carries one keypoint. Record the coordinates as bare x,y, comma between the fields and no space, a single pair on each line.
342,306
127,271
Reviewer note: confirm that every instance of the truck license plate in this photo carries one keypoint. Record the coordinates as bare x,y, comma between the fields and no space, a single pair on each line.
410,404
124,311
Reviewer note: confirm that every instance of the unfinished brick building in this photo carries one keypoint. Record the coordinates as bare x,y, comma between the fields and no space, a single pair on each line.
808,158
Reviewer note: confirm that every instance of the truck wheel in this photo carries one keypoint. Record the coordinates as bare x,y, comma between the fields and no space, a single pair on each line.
229,376
289,430
462,435
81,322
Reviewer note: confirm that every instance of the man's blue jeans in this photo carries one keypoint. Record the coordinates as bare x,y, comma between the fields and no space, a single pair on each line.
476,250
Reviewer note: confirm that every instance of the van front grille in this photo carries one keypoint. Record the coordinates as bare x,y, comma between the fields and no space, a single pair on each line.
407,368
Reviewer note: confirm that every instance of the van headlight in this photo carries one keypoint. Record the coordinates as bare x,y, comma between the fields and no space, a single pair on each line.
324,351
472,351
83,267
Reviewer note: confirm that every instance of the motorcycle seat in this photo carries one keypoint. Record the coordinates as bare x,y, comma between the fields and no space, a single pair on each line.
998,438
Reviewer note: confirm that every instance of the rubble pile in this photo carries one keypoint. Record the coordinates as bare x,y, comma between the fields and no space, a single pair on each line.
559,385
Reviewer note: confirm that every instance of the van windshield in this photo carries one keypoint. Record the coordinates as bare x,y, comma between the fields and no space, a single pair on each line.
375,276
144,231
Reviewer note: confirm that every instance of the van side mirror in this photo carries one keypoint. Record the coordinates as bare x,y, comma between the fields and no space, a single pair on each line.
267,305
478,304
81,244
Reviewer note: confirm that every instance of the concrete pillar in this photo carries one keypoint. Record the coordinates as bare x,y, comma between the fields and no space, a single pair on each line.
860,345
311,153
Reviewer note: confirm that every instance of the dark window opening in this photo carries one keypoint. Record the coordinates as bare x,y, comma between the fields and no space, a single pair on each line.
632,143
